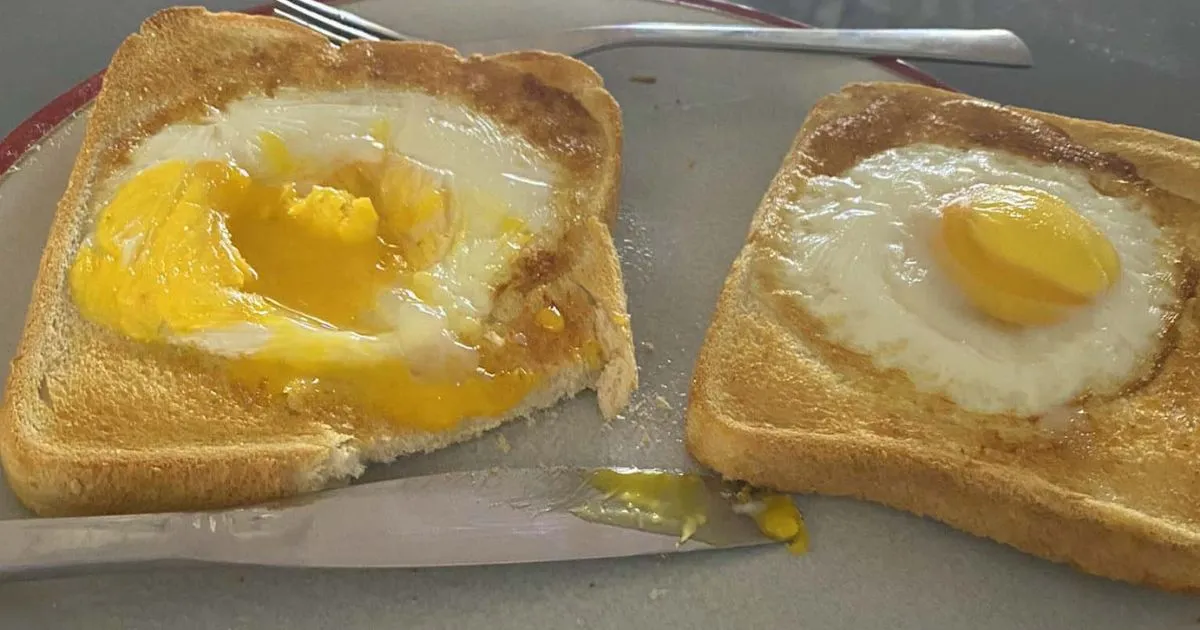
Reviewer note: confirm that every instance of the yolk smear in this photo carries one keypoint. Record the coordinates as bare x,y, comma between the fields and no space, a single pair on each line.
390,388
162,260
591,353
675,498
1022,255
196,248
279,160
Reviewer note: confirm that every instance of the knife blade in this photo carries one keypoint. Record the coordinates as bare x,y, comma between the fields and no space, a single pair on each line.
499,516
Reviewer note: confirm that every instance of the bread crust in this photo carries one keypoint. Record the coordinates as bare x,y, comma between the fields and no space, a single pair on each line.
93,423
1119,499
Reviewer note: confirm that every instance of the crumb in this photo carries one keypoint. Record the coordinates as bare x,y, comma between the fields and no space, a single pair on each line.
643,78
661,402
658,593
502,444
645,438
648,346
691,164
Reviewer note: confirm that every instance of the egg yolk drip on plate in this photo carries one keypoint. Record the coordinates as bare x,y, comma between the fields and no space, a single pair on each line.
361,280
1023,255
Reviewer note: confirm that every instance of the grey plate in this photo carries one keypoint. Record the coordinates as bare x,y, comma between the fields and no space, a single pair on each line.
702,144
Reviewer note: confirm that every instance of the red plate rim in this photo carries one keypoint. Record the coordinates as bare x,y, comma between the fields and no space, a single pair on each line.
35,128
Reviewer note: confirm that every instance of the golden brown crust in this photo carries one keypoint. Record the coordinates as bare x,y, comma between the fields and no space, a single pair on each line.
93,423
1118,499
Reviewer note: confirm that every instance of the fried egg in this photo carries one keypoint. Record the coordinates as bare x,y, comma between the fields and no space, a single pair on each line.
1005,285
354,237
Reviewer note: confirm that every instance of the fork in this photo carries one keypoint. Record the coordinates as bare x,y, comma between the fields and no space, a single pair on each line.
995,47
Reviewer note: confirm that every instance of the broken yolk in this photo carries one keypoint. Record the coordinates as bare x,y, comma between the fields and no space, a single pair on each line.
1023,256
202,248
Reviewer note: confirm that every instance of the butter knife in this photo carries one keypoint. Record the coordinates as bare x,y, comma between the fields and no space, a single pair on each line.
465,518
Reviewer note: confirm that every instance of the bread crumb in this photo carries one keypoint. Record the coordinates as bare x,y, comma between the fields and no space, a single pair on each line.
657,593
644,79
502,444
661,402
648,346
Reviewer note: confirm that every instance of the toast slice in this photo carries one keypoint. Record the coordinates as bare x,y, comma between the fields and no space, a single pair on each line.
776,402
94,422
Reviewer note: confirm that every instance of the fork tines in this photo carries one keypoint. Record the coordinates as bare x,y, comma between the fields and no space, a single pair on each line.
335,24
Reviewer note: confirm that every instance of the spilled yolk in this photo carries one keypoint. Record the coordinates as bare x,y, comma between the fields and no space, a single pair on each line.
197,250
1023,256
675,503
679,503
776,515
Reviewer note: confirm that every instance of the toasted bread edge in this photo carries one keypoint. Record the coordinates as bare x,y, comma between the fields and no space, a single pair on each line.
54,479
987,500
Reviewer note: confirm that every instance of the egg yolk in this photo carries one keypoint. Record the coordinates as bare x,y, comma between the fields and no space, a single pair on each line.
1023,256
677,503
550,318
201,248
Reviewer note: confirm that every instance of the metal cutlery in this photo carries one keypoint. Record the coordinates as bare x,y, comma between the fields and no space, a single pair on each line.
995,47
499,516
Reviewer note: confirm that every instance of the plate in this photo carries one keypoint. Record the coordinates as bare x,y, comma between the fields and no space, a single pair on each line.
705,131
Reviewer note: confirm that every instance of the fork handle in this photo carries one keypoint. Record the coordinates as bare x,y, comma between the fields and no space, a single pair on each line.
979,46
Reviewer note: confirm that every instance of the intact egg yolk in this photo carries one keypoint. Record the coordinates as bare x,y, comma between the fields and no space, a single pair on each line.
1022,255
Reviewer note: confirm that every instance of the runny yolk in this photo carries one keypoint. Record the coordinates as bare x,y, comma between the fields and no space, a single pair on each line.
196,249
1023,256
319,255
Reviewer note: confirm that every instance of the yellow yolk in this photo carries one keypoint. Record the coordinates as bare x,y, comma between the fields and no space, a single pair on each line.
1022,255
776,515
677,503
162,260
551,319
193,249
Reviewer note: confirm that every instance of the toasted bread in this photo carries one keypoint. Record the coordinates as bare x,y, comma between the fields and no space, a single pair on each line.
95,423
774,402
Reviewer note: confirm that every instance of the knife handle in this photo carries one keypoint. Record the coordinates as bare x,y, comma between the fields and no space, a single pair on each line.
47,547
52,547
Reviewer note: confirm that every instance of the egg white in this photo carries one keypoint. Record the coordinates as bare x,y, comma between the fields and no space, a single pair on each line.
481,162
860,260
